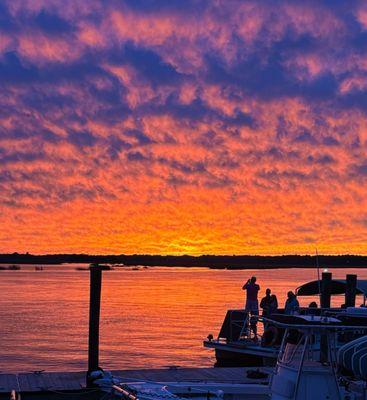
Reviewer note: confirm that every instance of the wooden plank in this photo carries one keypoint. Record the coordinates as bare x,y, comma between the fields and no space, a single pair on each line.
73,381
8,382
133,375
51,381
228,374
186,374
68,380
33,382
194,374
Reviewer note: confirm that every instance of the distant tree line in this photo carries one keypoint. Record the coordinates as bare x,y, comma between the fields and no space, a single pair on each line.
212,261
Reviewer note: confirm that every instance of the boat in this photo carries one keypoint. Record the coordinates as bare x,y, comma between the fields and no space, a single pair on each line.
101,266
234,345
13,267
303,371
38,268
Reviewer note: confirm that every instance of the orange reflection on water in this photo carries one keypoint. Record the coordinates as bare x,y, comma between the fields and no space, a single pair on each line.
150,318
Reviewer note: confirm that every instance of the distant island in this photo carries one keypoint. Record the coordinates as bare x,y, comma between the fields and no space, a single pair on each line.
211,261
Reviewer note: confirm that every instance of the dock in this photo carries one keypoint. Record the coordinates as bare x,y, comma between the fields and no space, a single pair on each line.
52,385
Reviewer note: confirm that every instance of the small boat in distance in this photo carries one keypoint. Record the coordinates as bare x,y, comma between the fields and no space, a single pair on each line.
14,267
38,268
104,267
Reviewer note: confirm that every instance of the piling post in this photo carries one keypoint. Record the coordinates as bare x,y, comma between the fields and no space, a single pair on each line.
326,289
94,315
351,290
325,303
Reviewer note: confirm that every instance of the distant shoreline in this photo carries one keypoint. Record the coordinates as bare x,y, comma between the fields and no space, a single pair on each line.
242,262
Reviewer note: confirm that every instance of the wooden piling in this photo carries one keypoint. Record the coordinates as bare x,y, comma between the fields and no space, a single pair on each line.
326,289
94,315
351,290
325,303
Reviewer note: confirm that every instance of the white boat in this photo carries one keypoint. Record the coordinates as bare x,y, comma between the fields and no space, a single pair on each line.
302,371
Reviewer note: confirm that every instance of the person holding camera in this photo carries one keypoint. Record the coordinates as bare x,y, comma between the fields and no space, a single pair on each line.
252,303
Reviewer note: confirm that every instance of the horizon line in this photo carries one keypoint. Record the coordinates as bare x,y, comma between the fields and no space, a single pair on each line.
185,255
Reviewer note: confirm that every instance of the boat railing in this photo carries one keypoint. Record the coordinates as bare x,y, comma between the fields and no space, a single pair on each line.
237,323
233,325
322,325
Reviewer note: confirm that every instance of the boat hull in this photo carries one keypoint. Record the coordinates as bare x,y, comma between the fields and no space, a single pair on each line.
242,356
229,359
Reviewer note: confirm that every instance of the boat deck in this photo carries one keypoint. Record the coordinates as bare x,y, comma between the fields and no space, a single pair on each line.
52,382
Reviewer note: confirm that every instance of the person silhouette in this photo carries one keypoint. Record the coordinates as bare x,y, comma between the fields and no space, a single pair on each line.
269,303
291,304
252,303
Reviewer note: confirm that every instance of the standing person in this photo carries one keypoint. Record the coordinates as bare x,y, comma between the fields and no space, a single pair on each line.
252,303
265,303
291,305
312,308
269,304
273,304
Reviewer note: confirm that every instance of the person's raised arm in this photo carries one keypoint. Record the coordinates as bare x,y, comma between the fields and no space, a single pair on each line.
244,287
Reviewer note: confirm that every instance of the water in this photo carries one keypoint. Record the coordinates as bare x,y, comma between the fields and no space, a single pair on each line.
150,318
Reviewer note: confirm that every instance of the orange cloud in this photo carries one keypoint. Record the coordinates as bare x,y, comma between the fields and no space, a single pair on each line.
226,128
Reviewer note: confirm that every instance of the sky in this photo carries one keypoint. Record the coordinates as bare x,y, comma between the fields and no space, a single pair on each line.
183,127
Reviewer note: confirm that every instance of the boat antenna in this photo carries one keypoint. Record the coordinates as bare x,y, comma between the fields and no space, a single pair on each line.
318,274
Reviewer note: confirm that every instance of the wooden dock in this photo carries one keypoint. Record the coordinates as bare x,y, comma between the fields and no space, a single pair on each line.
53,384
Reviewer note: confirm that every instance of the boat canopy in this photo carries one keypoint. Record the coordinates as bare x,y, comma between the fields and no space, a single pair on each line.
338,286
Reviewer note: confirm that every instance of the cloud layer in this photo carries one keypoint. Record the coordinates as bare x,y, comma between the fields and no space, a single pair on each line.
157,126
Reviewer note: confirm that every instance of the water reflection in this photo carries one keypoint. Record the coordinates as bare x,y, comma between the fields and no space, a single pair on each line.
150,318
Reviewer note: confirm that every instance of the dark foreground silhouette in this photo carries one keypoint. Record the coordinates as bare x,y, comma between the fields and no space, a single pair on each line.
211,261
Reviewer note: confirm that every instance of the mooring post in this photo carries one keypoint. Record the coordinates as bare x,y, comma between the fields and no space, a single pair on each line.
94,314
326,289
351,290
325,303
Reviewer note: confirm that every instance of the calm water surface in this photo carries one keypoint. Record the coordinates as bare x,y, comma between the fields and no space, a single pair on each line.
150,318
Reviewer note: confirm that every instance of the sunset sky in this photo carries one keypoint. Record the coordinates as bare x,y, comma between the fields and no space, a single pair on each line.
183,126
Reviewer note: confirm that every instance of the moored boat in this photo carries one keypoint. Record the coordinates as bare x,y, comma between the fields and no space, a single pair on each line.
14,267
234,345
103,267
